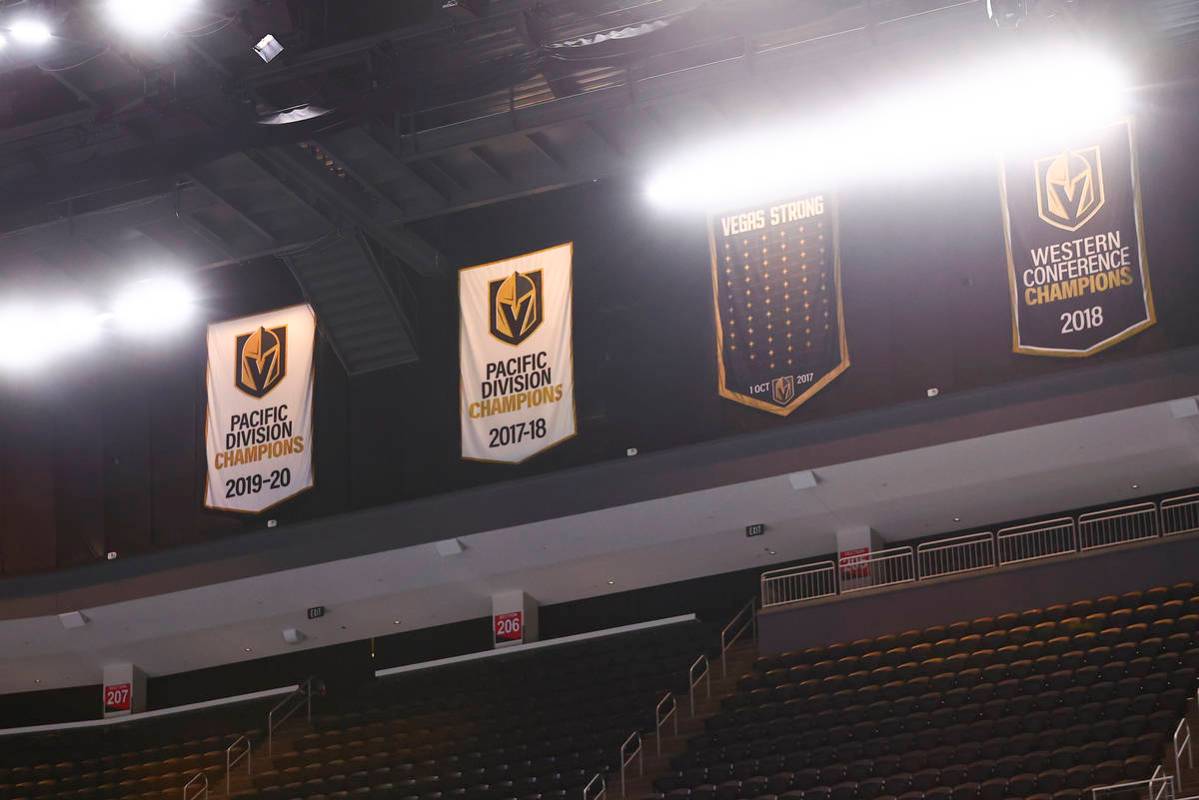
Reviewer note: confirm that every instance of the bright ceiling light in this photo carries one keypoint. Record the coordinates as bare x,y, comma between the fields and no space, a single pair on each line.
30,31
31,337
147,17
979,111
20,350
154,305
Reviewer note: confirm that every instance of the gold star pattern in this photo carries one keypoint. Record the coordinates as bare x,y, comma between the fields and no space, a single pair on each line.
754,256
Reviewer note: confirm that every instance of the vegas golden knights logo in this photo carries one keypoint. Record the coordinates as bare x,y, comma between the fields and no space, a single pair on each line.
1070,188
261,360
515,307
783,389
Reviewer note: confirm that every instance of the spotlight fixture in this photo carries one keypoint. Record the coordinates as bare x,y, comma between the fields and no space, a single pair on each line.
936,123
147,17
267,48
59,331
30,31
611,583
153,305
1010,15
1007,14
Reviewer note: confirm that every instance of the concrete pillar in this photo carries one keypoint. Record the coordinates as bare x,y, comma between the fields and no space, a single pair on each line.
854,546
124,690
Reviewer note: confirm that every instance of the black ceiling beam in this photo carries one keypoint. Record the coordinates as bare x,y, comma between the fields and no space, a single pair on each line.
311,181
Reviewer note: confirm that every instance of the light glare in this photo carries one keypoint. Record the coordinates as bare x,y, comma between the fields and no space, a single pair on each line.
32,337
30,31
982,110
154,305
147,17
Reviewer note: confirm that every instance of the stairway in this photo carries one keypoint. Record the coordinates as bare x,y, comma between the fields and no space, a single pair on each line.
740,660
241,780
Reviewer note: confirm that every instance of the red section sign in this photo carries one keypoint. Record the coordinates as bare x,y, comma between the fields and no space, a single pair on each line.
117,697
509,627
855,563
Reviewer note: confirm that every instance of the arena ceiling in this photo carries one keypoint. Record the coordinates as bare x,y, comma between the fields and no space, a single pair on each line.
189,150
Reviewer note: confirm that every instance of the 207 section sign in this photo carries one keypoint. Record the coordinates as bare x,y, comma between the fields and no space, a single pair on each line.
259,424
117,697
517,384
1076,245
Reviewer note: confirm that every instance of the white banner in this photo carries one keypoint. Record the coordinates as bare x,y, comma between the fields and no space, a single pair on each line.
514,346
259,425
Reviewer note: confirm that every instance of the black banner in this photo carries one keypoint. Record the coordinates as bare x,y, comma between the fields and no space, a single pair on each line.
1075,246
776,286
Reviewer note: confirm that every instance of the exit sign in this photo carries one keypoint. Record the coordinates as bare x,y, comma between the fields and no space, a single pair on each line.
316,612
755,530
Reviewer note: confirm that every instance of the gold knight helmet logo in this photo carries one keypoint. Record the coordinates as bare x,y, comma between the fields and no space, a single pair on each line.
261,360
515,307
1070,187
783,389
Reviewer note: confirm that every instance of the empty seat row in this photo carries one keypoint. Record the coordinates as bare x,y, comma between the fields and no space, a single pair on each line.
1183,592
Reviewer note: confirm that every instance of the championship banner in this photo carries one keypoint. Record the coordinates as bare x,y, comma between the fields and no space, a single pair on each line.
516,357
776,286
259,425
1075,245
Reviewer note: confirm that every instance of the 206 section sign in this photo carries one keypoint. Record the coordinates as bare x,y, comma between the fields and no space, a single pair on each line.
1076,245
517,382
259,424
509,627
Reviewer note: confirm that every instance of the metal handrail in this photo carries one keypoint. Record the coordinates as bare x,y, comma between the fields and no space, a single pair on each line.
1182,744
889,559
303,693
694,680
232,761
1177,508
1119,517
946,551
625,760
727,641
202,790
1167,782
1013,545
661,719
805,581
603,788
1166,792
1020,533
